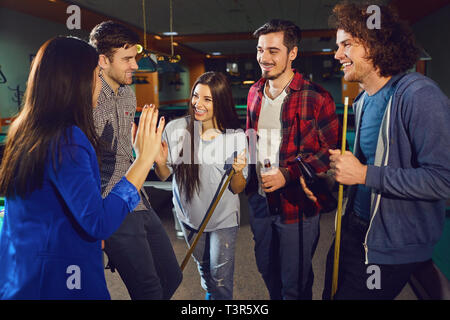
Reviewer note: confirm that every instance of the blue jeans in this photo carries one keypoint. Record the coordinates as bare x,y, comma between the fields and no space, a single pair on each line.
283,251
214,254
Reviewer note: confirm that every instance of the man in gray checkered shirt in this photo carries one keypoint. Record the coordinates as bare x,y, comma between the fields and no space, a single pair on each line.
140,249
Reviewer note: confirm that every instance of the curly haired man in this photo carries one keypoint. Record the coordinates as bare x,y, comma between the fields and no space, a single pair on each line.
399,174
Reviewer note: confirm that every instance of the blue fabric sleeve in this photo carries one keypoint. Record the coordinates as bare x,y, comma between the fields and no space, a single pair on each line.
127,192
77,180
426,117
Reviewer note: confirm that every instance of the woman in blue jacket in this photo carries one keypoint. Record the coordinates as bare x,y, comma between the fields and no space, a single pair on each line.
55,217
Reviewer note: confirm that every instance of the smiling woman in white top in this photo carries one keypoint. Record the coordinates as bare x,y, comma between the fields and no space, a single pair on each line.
200,166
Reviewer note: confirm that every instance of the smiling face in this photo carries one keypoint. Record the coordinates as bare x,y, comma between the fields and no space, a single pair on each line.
351,54
203,106
273,56
119,70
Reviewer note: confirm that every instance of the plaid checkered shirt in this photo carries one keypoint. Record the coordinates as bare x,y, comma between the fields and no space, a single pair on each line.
113,118
310,127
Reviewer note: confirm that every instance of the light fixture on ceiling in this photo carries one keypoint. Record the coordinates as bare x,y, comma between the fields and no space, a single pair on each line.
146,63
170,33
152,61
173,58
168,65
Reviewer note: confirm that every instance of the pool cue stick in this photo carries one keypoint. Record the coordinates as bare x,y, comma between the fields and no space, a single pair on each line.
205,222
337,241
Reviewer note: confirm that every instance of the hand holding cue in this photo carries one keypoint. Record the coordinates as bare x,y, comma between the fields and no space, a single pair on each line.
337,241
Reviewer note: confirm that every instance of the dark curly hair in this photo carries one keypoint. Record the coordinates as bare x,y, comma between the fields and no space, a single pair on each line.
391,48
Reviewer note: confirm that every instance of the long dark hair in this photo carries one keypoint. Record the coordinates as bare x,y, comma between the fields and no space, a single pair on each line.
224,112
58,96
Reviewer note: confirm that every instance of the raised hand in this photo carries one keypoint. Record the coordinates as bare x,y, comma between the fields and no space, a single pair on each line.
147,141
161,158
146,144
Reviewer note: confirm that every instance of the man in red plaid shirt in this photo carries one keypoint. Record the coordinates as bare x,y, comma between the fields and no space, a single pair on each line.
290,116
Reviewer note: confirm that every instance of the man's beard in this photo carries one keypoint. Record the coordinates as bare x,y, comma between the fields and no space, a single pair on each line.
265,74
359,73
120,80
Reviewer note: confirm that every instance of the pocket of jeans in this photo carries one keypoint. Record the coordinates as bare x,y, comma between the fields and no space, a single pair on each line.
258,205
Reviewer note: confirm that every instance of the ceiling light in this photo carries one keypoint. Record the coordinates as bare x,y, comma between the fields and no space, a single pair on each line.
216,53
170,33
157,37
146,63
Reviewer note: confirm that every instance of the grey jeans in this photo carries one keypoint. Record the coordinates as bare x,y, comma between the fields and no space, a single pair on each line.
214,254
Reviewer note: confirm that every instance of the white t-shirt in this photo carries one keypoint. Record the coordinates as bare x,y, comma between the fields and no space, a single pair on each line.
269,134
215,158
